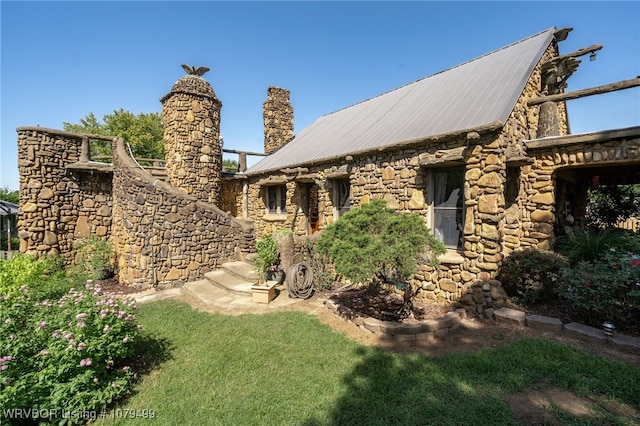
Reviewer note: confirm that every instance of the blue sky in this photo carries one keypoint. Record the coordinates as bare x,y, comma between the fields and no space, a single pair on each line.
63,60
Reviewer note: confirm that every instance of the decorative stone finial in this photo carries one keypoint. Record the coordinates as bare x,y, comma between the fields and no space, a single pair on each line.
194,71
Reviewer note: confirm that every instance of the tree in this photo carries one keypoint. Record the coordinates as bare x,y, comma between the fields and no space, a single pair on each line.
611,204
143,132
10,196
373,244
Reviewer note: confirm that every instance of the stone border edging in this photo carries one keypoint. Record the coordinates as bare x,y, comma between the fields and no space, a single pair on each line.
574,330
427,331
409,334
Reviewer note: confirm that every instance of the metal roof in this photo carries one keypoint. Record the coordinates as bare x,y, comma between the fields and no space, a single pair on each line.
7,208
467,96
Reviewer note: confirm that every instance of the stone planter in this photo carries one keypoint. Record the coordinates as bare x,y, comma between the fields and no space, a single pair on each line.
263,293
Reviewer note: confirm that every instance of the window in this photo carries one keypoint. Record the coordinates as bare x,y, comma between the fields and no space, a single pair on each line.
276,199
341,202
447,206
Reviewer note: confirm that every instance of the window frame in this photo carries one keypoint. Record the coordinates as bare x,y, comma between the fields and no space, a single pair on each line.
459,208
278,194
340,187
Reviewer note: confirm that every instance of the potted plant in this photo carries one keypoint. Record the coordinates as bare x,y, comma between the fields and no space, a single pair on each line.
266,256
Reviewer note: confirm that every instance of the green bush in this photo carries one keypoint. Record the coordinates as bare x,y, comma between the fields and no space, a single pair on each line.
531,275
372,244
267,255
324,274
606,289
37,273
66,354
590,244
95,257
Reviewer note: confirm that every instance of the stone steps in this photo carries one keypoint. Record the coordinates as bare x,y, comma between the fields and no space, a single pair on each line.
236,277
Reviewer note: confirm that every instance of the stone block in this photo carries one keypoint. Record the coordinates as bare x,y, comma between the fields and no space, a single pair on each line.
540,322
372,325
625,343
509,315
397,328
584,332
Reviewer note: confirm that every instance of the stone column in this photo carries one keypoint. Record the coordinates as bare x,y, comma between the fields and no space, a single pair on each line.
278,119
193,150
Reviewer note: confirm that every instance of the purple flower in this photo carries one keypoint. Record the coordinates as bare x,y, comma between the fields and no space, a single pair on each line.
44,352
7,321
3,367
81,325
81,316
68,336
85,362
42,324
81,346
125,340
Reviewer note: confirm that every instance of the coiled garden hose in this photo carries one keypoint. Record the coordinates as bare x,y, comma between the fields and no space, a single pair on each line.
299,281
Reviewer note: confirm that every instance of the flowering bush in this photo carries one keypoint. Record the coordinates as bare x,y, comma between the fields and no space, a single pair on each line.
605,289
66,354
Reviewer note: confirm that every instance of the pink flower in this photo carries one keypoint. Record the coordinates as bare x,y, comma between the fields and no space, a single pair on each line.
81,325
125,340
587,284
68,336
42,324
44,352
85,362
635,263
81,316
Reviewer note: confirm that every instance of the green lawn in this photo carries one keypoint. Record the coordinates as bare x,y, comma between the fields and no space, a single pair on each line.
288,368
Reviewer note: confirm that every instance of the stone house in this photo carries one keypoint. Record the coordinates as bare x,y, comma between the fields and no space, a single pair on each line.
469,149
482,151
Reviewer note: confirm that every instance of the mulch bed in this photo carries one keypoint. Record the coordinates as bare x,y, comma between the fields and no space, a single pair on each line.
386,306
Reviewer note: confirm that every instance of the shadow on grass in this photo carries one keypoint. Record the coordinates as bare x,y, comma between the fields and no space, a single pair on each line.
149,353
387,388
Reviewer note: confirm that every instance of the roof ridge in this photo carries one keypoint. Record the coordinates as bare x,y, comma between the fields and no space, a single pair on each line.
440,72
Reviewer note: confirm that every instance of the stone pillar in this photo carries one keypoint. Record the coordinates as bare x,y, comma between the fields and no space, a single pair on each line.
193,149
548,123
278,119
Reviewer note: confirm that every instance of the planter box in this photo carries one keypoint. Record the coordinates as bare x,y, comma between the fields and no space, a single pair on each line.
263,293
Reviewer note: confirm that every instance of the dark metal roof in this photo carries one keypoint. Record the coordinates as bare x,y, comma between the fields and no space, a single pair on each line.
7,208
471,95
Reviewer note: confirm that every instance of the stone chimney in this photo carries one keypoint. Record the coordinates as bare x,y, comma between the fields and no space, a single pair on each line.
193,149
278,119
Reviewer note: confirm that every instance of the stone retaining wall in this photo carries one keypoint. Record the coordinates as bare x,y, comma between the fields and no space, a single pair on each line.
57,204
406,334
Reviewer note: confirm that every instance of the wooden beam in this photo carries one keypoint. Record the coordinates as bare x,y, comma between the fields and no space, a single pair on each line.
620,85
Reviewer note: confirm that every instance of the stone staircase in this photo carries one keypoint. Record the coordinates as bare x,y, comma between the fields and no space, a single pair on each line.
229,288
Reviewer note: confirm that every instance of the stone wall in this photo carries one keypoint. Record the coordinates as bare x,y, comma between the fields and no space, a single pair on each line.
59,203
164,237
193,150
278,119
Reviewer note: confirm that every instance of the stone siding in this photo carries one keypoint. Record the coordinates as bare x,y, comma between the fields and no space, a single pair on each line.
165,237
58,205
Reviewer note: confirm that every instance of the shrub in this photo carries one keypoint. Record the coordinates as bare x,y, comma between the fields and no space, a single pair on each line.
591,244
95,257
25,269
372,244
531,275
606,289
324,274
267,255
65,354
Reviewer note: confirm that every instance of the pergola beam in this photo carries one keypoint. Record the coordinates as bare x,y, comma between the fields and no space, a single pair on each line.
620,85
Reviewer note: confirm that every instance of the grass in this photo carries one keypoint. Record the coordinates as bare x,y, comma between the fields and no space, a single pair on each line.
288,368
